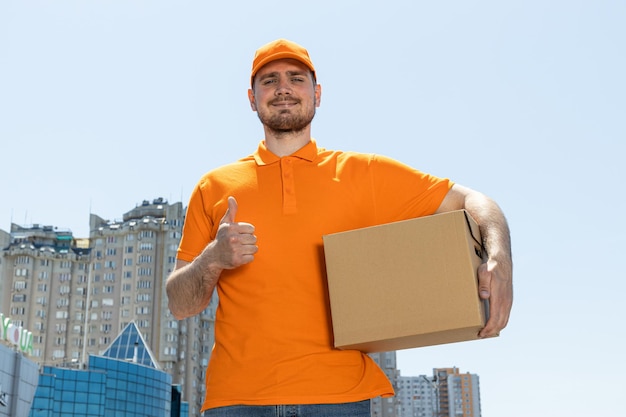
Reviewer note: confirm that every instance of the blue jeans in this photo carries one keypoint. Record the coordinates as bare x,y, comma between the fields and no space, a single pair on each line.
356,409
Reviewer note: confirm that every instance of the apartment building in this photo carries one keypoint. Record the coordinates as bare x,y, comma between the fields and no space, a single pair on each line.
463,392
75,295
390,406
417,396
447,393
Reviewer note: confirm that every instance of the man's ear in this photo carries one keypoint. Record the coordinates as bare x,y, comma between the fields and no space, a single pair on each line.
318,95
251,99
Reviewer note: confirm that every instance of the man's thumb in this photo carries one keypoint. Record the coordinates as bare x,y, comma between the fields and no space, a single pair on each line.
231,211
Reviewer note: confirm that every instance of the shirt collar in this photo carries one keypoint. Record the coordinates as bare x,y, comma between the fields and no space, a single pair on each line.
264,156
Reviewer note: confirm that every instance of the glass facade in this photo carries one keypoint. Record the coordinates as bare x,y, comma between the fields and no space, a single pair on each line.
130,345
69,392
133,389
125,384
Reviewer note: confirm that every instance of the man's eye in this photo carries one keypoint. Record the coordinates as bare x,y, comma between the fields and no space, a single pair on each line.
297,79
268,81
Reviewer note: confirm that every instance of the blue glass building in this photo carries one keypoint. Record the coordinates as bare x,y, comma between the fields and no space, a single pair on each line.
125,381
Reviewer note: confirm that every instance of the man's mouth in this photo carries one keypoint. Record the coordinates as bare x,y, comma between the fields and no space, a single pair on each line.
284,103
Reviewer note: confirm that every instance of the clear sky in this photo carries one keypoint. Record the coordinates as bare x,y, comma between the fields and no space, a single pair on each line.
104,104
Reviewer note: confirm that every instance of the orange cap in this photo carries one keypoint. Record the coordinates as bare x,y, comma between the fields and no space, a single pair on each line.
280,49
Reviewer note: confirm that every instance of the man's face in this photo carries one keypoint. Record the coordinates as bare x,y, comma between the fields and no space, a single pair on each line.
284,96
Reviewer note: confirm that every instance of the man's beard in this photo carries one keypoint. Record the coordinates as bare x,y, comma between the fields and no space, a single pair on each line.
287,122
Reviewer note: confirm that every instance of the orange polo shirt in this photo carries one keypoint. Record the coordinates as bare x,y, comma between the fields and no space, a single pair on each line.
273,332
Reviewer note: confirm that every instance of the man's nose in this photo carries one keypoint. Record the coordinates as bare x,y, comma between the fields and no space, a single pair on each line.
283,87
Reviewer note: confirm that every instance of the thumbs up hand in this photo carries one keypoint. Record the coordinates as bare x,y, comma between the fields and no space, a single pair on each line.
235,243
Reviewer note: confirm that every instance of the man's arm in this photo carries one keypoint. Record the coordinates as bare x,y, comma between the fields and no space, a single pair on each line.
495,277
190,286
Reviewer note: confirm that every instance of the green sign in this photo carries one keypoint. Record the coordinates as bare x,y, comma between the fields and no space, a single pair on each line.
16,335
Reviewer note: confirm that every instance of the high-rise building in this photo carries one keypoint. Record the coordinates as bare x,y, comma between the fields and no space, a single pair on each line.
417,396
75,295
462,392
389,406
447,393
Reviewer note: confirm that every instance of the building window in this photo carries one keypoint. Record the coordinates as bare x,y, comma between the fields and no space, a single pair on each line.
144,284
143,297
22,260
146,234
19,298
144,259
142,310
21,272
142,272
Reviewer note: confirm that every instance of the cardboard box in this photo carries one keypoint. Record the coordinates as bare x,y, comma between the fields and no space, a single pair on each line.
406,284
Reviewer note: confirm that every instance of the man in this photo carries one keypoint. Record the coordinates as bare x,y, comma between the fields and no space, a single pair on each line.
273,352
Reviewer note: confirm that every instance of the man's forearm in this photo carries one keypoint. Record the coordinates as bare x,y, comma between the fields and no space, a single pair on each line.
493,227
190,286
